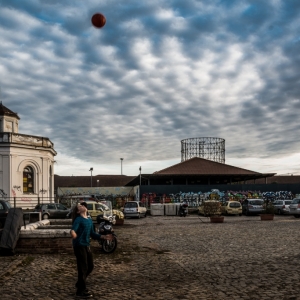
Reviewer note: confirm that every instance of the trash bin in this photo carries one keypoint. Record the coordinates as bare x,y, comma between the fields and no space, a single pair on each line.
157,209
34,217
177,205
170,209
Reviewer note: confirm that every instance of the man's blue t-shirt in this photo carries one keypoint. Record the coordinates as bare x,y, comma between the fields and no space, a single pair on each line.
84,229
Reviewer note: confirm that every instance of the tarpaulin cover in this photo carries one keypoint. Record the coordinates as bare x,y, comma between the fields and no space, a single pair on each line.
11,230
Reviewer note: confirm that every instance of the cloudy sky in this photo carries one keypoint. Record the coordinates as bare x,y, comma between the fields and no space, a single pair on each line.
158,72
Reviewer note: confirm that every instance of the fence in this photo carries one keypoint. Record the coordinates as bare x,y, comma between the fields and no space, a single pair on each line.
28,203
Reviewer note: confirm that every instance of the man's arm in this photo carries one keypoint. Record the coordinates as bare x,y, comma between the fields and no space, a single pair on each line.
73,234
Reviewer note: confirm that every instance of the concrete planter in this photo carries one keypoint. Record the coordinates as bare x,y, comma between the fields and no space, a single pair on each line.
119,221
216,219
267,217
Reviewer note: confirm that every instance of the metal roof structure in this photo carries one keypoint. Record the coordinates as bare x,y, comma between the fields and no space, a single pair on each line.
199,171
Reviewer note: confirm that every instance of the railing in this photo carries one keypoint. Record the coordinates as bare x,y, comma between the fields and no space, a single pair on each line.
28,203
24,139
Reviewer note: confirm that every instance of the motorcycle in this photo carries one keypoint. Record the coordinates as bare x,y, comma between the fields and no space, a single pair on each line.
105,222
183,209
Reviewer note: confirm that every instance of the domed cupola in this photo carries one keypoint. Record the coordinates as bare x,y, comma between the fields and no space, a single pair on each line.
9,120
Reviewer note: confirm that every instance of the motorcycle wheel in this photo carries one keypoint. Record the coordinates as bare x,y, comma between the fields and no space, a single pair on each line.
109,246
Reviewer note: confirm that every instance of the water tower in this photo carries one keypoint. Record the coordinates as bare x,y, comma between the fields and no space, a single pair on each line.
211,148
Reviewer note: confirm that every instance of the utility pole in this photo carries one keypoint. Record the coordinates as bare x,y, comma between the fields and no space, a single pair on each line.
140,175
91,169
121,165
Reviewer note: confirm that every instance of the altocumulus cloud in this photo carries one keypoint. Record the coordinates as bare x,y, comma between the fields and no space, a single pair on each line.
158,72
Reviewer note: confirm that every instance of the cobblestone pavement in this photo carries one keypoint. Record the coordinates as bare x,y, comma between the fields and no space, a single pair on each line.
168,257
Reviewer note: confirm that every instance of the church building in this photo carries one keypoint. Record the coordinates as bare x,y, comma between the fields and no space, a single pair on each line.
26,163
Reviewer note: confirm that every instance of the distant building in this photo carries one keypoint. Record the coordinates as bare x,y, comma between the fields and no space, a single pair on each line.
26,162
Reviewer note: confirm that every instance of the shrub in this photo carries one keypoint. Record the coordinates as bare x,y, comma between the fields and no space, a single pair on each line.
268,207
212,208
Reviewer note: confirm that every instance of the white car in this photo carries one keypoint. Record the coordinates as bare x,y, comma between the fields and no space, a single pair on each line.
282,206
295,207
134,209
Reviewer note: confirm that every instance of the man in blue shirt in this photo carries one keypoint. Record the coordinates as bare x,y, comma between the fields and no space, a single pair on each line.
82,230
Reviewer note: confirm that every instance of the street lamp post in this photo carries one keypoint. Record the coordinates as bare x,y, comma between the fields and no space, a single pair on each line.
121,165
91,169
97,182
140,175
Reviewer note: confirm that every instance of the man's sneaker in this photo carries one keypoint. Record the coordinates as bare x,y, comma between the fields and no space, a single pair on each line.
86,290
84,295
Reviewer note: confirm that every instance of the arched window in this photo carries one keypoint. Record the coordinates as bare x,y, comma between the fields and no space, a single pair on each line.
28,182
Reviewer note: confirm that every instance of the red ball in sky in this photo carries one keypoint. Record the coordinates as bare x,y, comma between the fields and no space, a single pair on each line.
98,20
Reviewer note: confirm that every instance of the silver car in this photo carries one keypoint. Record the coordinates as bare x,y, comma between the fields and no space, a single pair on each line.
252,206
282,206
295,208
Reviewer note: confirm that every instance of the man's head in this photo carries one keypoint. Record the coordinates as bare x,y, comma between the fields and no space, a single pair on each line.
83,203
81,206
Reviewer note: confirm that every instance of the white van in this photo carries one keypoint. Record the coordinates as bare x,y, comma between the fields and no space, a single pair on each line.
134,209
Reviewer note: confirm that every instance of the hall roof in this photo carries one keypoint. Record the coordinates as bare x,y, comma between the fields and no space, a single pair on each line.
4,111
201,166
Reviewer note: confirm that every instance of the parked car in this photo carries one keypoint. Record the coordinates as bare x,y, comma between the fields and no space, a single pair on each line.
134,209
4,208
282,206
252,206
96,209
295,208
232,208
52,210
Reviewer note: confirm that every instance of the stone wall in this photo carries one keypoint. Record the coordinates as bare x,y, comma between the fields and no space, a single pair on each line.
44,245
38,238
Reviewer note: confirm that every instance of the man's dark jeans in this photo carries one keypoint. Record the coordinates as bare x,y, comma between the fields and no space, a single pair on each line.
85,265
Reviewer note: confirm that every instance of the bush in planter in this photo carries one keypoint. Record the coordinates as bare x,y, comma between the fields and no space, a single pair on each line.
119,215
268,207
212,208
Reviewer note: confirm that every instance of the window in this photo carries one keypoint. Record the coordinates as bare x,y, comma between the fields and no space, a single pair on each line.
90,206
60,207
131,204
257,202
28,175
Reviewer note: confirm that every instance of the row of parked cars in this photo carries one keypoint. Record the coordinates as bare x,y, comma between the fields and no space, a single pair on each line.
255,206
59,211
